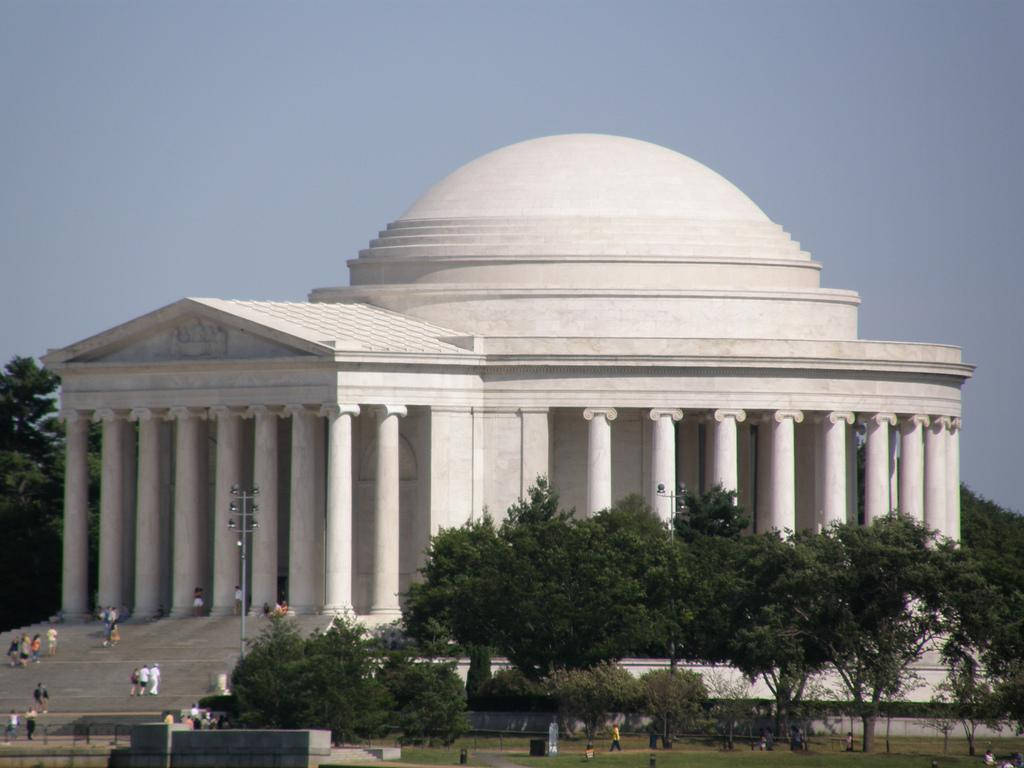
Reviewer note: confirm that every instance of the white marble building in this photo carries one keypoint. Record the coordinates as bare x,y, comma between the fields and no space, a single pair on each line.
600,310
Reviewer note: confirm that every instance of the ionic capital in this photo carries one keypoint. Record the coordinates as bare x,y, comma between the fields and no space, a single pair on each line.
387,409
872,420
74,416
730,413
656,414
609,414
222,412
955,424
260,410
297,409
107,415
834,417
334,410
916,420
146,414
781,415
182,413
940,424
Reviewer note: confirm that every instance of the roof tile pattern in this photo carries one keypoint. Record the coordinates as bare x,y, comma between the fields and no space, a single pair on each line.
352,326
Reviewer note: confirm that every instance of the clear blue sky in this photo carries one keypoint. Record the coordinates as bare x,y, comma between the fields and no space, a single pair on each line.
150,151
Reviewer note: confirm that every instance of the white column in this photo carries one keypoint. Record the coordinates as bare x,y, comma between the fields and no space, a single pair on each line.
724,469
189,500
301,523
147,520
387,521
834,481
876,466
111,574
75,569
535,447
763,471
912,466
935,509
339,550
663,438
228,472
783,470
953,481
265,477
599,458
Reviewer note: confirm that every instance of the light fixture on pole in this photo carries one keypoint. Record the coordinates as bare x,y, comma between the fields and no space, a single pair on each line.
245,508
676,499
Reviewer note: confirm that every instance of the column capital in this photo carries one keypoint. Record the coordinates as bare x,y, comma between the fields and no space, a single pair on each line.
609,414
915,420
877,419
834,417
223,412
785,413
722,414
656,414
261,410
298,409
185,412
147,414
74,416
334,410
955,424
108,414
941,423
383,410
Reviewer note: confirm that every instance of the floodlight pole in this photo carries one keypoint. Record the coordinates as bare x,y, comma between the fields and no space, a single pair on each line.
247,524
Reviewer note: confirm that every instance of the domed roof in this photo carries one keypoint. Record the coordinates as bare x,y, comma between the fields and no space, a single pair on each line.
589,175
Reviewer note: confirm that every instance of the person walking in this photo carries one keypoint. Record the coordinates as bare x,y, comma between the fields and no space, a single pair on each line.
42,697
12,651
135,681
24,650
154,680
197,601
11,731
238,600
615,739
30,723
51,641
35,647
143,679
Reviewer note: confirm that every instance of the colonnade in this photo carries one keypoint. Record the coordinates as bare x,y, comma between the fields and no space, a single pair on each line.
911,463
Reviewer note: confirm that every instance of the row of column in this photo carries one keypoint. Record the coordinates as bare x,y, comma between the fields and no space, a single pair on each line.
928,487
191,555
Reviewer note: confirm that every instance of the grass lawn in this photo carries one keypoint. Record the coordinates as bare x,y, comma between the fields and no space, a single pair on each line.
823,753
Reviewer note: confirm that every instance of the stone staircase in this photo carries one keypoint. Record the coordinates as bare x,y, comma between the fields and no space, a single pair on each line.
86,679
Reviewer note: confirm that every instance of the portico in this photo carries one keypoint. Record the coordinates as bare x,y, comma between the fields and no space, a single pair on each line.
664,332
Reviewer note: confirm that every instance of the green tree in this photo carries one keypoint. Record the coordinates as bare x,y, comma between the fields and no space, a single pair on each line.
430,700
672,699
325,681
712,513
590,695
877,605
479,669
545,589
31,492
763,634
973,701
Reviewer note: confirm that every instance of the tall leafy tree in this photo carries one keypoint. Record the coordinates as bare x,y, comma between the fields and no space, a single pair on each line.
31,492
545,589
877,606
672,699
429,699
590,695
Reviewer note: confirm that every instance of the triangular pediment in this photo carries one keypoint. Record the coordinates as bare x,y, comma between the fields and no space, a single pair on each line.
190,330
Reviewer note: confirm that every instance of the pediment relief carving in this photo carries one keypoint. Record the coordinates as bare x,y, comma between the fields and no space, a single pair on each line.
195,338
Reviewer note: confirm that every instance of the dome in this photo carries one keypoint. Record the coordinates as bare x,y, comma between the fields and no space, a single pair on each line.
587,235
585,175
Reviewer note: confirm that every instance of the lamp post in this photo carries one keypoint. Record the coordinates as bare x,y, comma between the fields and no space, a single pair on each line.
676,499
244,506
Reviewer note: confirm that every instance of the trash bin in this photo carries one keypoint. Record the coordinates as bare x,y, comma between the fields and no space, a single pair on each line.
536,747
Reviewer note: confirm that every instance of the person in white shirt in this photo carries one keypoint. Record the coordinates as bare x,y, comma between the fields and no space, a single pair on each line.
154,679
